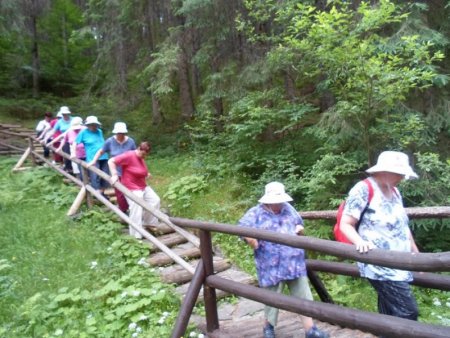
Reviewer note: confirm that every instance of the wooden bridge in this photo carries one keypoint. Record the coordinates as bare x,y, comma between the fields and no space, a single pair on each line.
198,268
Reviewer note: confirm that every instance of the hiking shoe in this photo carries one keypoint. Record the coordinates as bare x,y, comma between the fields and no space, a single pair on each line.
269,331
314,332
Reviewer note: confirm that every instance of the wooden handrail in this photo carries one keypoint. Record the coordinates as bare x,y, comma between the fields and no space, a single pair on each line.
356,319
402,260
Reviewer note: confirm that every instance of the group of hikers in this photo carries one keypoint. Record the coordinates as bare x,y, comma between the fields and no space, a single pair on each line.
117,155
373,216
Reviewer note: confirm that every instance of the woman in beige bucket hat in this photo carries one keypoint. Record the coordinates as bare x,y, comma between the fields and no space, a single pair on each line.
383,225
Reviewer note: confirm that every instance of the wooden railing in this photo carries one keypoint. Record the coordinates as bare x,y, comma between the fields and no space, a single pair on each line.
204,275
335,314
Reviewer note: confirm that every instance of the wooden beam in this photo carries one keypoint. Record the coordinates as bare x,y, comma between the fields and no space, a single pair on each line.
395,259
22,159
77,202
375,323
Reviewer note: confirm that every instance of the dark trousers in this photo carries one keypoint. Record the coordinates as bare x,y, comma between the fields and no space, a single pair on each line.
395,299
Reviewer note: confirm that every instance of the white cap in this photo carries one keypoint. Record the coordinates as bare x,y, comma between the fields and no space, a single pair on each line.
120,128
274,194
394,162
92,120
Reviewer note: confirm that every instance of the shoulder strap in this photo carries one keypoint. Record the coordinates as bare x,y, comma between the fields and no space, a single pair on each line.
369,199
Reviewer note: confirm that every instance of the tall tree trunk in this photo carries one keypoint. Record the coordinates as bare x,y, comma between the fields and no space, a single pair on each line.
157,116
186,101
35,50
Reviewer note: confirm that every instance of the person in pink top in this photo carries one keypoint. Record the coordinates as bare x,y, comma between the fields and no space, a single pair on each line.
134,177
76,150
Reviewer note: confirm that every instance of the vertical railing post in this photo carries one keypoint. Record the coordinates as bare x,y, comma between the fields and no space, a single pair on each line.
31,146
209,293
85,174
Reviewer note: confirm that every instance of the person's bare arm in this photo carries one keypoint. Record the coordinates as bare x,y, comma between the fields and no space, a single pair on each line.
348,224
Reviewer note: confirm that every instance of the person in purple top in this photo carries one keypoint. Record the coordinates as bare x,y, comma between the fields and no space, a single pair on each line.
279,265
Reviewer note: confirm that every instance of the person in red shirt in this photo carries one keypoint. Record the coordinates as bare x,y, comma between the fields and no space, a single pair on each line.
134,175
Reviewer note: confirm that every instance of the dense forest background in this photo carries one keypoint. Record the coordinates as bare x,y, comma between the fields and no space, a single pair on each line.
306,92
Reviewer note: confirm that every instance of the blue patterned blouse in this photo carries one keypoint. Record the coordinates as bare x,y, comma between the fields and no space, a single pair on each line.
276,262
385,224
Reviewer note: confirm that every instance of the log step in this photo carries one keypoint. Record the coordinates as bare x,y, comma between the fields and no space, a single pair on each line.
158,229
232,274
178,275
169,240
186,250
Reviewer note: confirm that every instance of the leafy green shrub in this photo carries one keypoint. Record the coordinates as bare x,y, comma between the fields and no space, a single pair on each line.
180,192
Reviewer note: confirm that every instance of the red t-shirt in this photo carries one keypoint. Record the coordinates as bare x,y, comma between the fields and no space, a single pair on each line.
134,170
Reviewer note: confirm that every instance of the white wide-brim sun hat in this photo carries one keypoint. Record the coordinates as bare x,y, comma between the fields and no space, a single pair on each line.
120,128
92,120
64,110
394,162
274,193
76,123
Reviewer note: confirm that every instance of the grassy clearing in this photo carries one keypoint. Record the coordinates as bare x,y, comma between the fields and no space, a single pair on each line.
72,278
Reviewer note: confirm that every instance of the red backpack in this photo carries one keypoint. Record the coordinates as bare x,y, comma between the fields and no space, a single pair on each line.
338,235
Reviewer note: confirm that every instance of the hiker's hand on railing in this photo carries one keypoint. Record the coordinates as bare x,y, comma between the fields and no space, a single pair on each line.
363,246
253,242
299,230
114,178
90,164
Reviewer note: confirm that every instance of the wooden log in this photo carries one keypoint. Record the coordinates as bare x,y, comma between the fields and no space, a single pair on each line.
395,259
188,304
413,213
158,229
160,258
378,324
175,274
22,159
231,274
77,202
423,279
186,267
168,240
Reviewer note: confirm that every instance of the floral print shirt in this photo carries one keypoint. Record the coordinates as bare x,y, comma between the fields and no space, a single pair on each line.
276,262
385,224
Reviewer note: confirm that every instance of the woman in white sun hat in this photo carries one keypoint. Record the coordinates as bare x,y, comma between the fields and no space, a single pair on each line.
92,139
117,144
279,265
384,226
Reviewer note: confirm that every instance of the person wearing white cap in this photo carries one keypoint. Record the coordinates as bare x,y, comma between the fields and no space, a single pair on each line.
279,265
76,151
49,133
384,226
115,145
61,127
92,139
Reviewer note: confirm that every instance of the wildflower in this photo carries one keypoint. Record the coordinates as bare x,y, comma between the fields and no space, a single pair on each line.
436,302
45,279
165,313
93,265
132,326
143,317
135,334
136,293
124,294
59,332
143,262
192,334
161,320
201,335
138,329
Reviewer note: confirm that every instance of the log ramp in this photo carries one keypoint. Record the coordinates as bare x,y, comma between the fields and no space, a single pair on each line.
239,318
